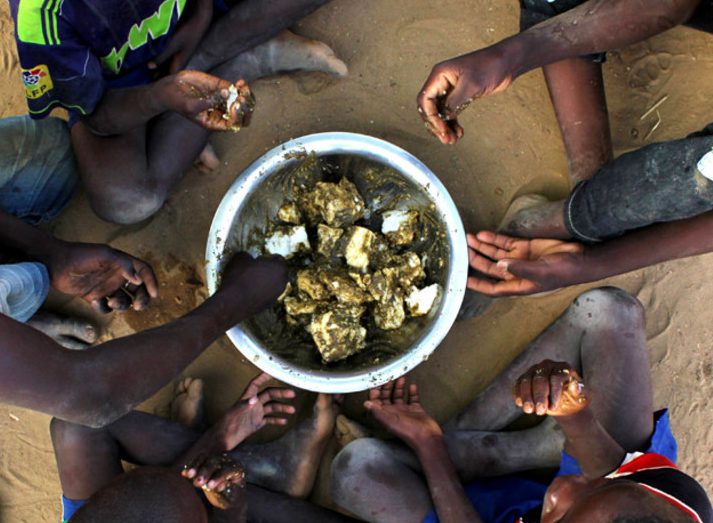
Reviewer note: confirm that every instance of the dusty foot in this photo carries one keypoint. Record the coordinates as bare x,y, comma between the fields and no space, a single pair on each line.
208,160
289,464
285,53
187,404
534,216
71,333
347,430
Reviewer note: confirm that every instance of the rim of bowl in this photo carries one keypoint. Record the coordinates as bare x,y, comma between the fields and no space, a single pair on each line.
333,143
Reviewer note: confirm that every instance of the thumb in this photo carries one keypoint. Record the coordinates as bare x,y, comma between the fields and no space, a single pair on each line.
459,98
526,270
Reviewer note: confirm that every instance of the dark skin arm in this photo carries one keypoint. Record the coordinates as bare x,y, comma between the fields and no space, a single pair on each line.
594,26
522,267
197,96
397,407
97,386
106,278
555,389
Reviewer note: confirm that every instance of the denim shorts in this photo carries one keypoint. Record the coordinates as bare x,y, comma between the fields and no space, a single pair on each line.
38,174
657,183
38,177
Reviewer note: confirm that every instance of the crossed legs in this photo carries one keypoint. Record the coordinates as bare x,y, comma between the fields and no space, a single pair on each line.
601,334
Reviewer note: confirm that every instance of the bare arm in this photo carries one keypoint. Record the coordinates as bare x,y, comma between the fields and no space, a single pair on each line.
452,505
99,385
594,26
398,408
521,267
198,96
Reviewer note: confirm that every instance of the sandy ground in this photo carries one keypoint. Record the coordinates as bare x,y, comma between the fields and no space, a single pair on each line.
512,146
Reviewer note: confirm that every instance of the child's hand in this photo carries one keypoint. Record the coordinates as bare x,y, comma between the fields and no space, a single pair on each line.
550,388
453,84
397,407
207,100
220,476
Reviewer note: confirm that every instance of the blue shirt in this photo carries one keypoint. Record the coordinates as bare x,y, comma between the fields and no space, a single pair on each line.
72,51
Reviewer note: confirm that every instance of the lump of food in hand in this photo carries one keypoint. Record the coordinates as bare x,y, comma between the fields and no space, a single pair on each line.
290,213
236,92
328,240
390,314
338,333
339,204
421,301
399,226
287,241
359,245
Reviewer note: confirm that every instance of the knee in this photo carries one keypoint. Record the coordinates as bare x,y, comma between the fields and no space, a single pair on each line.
351,467
65,434
126,207
607,306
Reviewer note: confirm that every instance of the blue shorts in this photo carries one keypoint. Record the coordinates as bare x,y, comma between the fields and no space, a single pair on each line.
38,177
504,499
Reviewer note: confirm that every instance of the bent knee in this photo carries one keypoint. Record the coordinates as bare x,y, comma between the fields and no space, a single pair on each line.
607,306
126,207
65,434
354,464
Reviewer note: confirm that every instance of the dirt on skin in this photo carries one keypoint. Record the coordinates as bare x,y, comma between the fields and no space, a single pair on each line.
511,147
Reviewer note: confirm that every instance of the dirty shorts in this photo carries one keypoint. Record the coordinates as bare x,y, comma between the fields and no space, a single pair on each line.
661,182
532,12
37,179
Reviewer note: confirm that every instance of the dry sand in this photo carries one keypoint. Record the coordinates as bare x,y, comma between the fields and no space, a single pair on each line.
512,146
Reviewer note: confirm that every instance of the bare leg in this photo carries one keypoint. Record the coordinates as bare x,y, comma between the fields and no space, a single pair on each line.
370,481
249,23
577,92
133,189
88,459
602,335
290,463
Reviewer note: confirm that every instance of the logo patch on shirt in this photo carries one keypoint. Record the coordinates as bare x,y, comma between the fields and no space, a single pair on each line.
37,81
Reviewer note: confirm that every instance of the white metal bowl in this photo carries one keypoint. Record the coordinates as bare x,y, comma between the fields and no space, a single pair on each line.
328,144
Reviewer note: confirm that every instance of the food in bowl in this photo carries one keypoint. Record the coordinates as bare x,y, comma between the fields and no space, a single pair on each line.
358,265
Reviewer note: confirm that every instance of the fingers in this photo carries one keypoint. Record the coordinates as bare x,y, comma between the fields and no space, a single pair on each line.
429,100
413,394
385,392
119,301
275,393
494,246
487,266
255,385
398,391
512,287
146,276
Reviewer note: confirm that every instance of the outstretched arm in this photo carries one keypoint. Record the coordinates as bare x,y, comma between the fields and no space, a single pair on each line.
397,407
96,386
521,267
594,26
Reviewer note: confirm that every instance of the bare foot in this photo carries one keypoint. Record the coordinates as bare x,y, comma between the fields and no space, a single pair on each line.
347,430
285,53
534,216
71,333
208,160
187,404
289,464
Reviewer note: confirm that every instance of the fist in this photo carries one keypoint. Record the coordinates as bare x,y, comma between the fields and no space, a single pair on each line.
550,388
